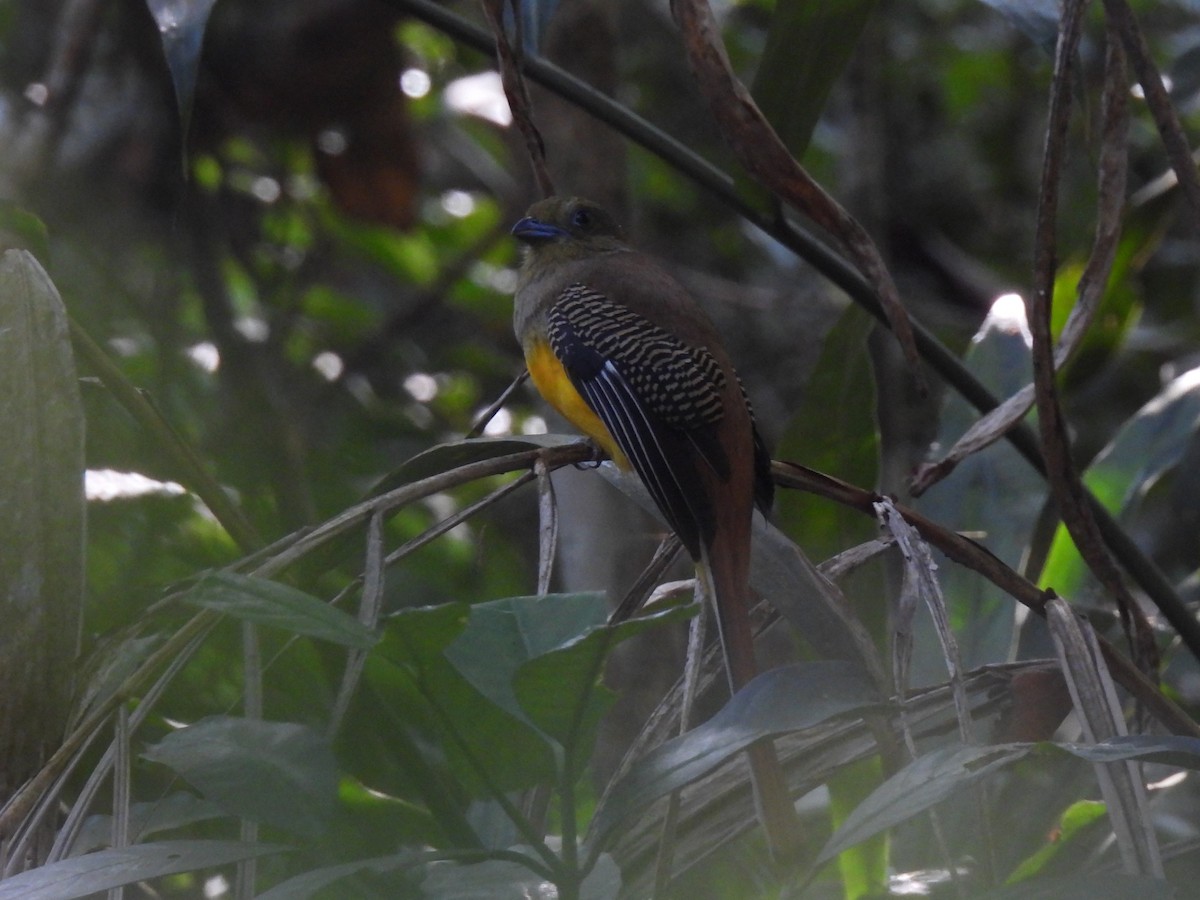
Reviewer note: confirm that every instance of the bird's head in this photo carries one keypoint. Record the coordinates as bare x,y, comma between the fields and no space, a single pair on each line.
568,227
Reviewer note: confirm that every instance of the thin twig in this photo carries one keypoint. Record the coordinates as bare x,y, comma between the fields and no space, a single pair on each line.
1169,127
967,552
184,462
1112,169
547,526
517,93
640,590
1066,486
765,156
369,609
494,407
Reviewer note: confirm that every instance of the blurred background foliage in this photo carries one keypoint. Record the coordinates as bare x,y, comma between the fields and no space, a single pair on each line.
304,266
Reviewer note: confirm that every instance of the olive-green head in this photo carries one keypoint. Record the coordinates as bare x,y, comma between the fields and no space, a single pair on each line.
568,227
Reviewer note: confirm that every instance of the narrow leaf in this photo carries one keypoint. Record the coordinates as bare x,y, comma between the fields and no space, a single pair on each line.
1074,820
454,455
307,884
782,700
918,786
181,25
173,811
94,872
270,603
808,46
1168,749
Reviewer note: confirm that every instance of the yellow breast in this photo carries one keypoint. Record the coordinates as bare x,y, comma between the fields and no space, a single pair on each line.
552,383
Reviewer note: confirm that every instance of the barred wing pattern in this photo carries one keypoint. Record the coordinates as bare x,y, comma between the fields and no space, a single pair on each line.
660,398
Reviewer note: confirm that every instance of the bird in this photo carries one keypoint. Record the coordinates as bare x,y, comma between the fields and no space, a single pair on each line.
621,349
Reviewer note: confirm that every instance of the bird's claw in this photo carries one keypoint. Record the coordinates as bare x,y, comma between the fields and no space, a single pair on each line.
598,456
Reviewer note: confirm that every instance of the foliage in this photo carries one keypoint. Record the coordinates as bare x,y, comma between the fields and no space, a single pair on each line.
321,656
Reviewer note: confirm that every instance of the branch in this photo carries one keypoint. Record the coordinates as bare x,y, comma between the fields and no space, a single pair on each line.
830,264
1165,117
1066,486
764,155
978,558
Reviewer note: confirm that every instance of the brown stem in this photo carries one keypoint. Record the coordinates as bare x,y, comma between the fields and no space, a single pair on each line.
764,155
1066,486
974,556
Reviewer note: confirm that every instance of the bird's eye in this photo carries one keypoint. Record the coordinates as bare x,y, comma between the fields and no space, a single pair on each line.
581,218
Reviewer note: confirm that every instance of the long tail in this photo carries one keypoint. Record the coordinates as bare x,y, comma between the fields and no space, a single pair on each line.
723,573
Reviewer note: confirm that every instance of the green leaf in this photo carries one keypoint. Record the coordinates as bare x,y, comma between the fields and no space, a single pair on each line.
181,25
863,867
41,513
561,690
309,883
278,773
1168,749
540,659
808,46
173,811
918,786
266,602
1076,817
841,397
995,493
84,875
787,699
469,729
1148,446
502,635
21,229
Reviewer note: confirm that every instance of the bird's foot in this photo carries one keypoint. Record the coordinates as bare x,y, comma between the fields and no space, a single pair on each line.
598,456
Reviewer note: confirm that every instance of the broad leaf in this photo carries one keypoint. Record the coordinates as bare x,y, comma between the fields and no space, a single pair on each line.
841,397
502,635
472,729
270,603
561,690
41,514
278,773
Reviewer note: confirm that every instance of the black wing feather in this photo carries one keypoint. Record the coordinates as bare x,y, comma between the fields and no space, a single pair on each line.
659,398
